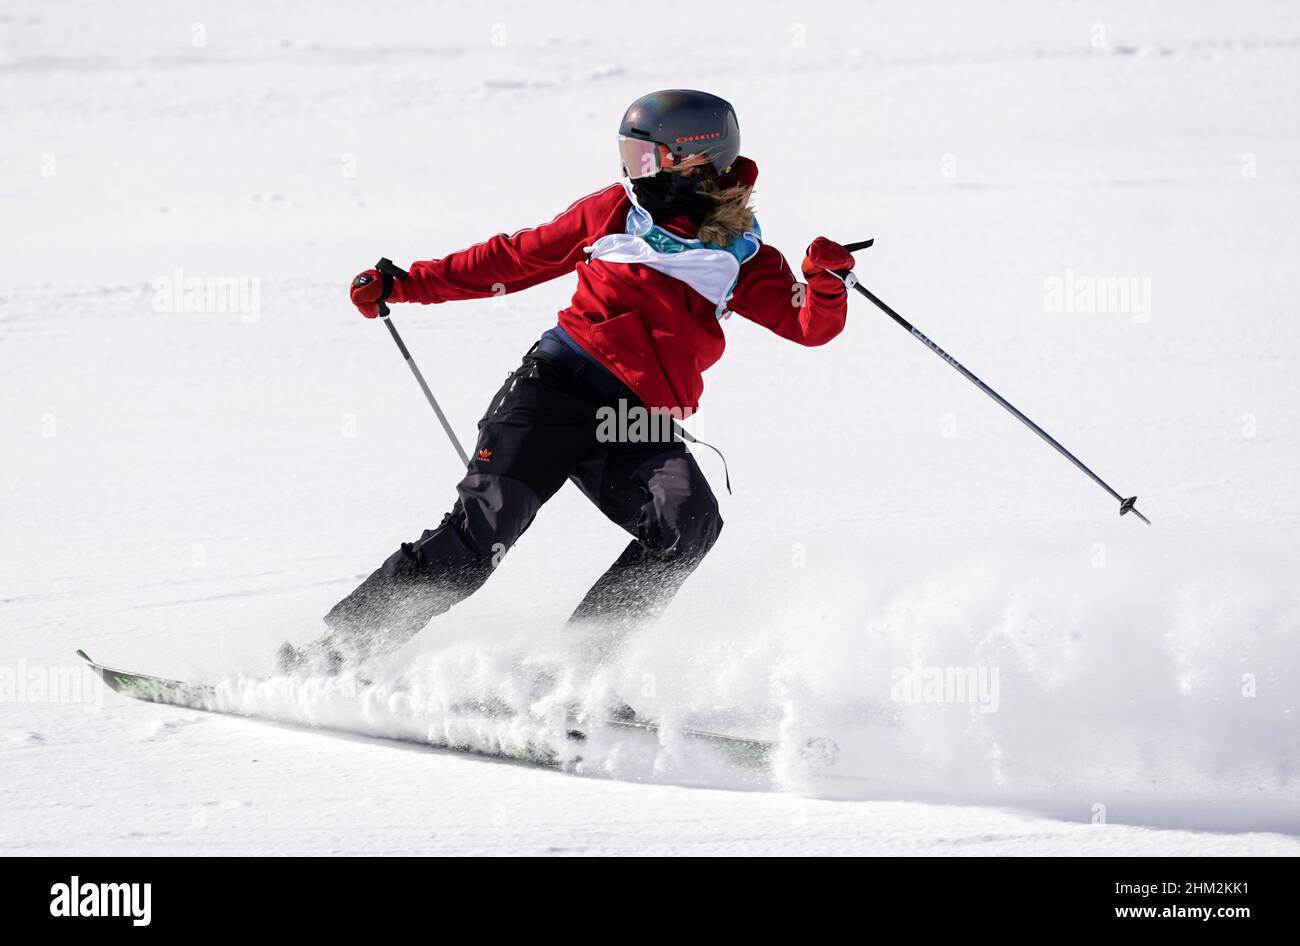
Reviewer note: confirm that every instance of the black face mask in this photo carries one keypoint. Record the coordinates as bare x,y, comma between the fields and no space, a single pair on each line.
667,195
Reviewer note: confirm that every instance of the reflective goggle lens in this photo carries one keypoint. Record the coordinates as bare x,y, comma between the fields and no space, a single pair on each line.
640,157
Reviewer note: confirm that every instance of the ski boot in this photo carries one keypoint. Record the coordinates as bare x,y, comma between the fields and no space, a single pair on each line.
318,658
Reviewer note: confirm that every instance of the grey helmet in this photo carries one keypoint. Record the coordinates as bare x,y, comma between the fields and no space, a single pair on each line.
666,128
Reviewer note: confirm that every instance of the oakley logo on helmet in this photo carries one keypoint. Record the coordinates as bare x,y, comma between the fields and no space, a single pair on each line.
679,140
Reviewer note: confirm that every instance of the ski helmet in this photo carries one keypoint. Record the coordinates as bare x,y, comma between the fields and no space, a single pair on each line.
666,129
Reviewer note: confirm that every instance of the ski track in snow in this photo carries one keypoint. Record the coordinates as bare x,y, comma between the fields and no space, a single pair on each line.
182,491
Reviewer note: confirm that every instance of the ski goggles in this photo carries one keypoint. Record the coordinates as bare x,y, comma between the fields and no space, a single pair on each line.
642,158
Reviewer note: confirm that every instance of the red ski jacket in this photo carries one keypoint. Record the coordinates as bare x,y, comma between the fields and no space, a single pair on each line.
653,331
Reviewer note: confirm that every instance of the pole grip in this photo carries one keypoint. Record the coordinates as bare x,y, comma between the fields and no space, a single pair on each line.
847,275
388,268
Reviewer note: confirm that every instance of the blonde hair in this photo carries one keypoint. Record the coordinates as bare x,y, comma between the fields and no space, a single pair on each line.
731,214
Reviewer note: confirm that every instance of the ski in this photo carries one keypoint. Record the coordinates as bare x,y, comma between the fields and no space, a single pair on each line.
153,689
204,698
740,748
150,689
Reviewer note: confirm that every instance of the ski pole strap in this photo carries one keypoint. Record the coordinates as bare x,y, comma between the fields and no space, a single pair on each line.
389,268
686,435
847,275
390,271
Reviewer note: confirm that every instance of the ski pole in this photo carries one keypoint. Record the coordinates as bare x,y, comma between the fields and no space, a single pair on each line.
851,282
388,268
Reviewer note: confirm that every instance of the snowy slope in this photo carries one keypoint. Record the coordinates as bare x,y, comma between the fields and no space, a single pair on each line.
181,491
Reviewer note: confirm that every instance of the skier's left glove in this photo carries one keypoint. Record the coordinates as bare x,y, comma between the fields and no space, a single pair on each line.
824,255
371,288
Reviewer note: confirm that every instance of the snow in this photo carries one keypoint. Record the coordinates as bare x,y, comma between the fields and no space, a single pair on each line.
181,491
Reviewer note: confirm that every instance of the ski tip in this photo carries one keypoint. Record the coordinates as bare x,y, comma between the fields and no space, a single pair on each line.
84,656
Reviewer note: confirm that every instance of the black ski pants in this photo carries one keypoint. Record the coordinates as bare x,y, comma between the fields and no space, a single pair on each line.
543,427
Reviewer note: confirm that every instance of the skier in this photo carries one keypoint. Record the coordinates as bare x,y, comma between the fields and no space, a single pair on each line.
662,257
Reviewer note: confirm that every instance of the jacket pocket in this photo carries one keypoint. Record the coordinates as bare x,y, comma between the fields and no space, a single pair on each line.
625,342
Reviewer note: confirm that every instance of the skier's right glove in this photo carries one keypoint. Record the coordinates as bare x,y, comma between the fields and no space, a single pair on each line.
371,288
